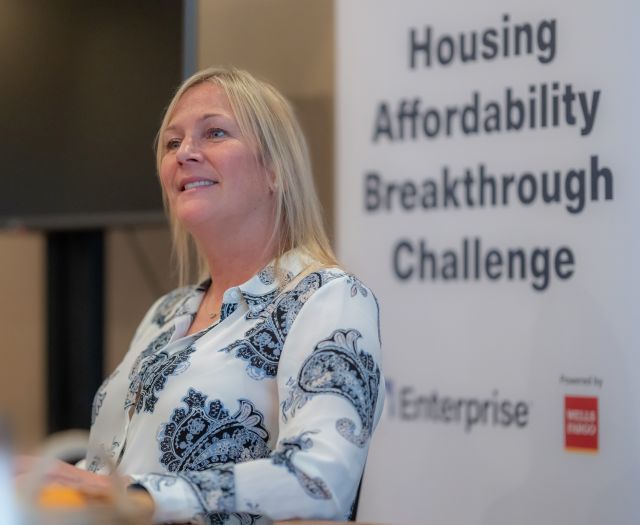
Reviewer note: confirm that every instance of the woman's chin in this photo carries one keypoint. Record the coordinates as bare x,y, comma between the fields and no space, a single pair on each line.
194,218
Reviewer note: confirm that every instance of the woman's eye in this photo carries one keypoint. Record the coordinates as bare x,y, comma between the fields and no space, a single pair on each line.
216,133
173,144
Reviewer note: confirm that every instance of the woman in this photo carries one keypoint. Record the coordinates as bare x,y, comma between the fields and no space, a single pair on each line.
257,391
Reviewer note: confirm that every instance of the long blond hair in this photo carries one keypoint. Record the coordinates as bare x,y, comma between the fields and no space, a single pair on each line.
267,119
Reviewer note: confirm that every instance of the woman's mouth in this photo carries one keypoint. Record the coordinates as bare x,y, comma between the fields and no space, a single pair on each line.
198,184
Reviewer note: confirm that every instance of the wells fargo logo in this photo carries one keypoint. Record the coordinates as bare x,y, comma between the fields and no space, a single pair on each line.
581,424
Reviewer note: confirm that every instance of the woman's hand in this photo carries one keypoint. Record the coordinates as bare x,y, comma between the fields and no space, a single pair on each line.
93,486
62,473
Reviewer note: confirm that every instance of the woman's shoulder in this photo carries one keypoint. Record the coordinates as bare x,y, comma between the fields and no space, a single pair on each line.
322,275
328,301
320,289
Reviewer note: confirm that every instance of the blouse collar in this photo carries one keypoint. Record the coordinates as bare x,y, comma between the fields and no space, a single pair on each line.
262,288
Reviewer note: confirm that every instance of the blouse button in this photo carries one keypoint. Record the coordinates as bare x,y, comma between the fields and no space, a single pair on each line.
232,296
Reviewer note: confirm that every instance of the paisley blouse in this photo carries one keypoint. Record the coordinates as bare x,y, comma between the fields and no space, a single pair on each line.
268,411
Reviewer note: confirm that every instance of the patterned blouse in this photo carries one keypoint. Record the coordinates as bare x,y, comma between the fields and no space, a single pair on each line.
268,411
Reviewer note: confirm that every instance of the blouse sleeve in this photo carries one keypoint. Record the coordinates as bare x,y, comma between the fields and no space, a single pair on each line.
331,393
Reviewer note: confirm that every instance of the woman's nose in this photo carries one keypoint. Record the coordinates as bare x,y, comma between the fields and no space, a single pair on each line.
189,151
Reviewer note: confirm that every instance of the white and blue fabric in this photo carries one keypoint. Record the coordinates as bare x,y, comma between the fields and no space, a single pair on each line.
268,411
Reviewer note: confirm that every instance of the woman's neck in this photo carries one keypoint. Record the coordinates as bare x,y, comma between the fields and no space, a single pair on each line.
235,261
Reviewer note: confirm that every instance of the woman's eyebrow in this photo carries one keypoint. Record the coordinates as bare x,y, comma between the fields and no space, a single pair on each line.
173,127
210,115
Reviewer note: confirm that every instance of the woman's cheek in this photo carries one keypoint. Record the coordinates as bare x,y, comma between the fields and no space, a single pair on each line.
165,176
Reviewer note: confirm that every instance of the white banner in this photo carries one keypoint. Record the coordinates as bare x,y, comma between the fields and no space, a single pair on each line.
487,183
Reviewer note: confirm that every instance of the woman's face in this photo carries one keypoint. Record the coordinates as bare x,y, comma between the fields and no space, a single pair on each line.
209,171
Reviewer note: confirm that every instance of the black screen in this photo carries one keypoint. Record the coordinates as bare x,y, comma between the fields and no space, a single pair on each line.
82,89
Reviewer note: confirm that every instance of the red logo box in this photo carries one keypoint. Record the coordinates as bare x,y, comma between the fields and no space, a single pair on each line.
581,424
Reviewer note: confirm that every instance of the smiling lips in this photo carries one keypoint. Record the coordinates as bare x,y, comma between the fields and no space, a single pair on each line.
198,184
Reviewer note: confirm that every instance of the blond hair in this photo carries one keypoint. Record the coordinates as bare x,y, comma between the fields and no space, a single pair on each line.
268,120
